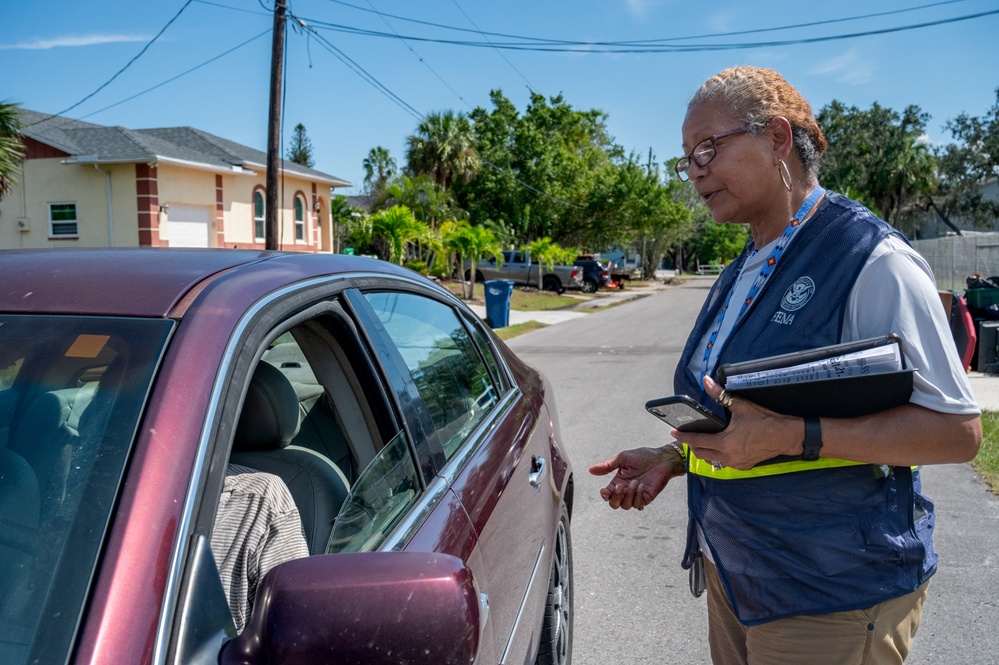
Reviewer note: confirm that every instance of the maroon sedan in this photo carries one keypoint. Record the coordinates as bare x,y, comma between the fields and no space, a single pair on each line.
423,457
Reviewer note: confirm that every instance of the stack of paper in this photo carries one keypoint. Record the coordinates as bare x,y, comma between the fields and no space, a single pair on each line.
877,360
840,381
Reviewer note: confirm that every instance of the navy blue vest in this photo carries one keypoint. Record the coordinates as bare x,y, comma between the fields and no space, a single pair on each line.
816,541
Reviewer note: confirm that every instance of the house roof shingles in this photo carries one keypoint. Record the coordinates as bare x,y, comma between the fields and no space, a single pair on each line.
184,144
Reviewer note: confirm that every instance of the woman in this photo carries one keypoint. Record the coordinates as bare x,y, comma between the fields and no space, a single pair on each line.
825,559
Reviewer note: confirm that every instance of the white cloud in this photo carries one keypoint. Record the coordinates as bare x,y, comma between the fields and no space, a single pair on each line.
723,21
638,8
849,68
83,40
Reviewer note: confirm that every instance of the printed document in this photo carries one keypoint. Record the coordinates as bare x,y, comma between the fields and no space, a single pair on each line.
876,360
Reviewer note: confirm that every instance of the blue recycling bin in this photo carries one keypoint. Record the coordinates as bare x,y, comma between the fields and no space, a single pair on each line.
498,292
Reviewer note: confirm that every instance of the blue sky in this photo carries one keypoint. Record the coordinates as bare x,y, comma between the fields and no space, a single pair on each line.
55,53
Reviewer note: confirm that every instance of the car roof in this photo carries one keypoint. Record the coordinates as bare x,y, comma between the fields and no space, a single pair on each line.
146,282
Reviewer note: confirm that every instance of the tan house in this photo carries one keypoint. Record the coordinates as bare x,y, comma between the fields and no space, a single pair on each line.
90,185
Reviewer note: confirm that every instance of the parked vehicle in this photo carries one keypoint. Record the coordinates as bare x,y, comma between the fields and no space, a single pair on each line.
625,269
519,267
595,275
440,491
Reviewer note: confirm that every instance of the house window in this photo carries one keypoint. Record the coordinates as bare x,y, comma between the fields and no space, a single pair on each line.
259,222
62,220
299,219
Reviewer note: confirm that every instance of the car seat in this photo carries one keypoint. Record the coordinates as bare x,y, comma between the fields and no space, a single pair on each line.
267,424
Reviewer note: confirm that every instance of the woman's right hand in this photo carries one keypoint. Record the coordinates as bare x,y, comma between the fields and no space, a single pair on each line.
642,473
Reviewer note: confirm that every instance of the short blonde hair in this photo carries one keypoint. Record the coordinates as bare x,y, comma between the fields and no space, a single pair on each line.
756,96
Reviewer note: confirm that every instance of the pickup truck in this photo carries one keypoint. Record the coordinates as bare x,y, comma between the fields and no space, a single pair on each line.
518,267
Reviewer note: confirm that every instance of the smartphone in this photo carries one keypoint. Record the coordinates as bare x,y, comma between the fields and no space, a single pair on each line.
684,414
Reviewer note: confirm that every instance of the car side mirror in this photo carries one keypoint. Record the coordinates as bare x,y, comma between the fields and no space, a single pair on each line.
362,608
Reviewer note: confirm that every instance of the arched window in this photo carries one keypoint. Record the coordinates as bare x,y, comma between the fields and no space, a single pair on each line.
299,218
259,216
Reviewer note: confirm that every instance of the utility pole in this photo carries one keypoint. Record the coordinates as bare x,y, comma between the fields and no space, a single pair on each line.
273,126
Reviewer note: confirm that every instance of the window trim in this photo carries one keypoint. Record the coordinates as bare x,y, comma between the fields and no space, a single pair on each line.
76,221
262,219
300,225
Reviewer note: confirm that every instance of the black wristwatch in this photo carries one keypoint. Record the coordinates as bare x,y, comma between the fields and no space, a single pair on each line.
813,440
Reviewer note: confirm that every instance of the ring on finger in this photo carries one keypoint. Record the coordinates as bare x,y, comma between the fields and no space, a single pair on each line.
725,398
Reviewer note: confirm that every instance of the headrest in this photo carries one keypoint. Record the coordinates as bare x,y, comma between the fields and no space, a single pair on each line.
270,415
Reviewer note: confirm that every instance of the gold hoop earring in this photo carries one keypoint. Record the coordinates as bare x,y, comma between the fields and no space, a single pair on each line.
785,174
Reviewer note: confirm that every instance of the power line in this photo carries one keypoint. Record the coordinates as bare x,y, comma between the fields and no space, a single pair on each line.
553,41
182,74
357,68
420,58
500,53
127,65
563,46
396,99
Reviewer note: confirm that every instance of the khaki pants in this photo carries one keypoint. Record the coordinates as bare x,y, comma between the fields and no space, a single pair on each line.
880,635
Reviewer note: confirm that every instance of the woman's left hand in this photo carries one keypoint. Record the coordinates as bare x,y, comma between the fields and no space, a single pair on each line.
753,434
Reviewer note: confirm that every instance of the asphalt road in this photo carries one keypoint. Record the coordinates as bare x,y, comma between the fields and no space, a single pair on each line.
631,596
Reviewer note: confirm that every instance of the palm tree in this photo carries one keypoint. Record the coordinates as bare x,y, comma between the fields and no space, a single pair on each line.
544,252
11,146
396,227
341,212
379,168
472,243
444,148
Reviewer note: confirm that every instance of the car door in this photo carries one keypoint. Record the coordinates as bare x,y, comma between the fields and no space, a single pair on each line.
310,337
490,450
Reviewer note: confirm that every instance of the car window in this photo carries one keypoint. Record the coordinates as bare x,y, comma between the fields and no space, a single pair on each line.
443,360
487,354
72,391
378,501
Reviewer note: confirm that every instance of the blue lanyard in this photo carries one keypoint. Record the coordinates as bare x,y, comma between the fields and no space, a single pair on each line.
765,271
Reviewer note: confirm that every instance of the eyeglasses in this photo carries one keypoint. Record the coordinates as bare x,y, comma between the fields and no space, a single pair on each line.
703,154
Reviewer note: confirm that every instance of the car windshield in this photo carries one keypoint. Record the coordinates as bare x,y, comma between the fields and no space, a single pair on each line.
72,390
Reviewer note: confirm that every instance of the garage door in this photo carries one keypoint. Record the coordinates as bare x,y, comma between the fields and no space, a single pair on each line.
187,226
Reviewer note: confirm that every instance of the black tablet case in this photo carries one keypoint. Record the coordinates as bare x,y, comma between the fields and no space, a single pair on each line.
847,397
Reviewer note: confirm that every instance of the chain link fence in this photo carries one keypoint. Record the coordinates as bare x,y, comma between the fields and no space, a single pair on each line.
954,258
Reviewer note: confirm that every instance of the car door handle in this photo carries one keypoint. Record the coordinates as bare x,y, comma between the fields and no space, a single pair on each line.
538,468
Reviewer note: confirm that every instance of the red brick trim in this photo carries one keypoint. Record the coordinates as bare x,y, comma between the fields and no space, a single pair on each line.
219,212
148,206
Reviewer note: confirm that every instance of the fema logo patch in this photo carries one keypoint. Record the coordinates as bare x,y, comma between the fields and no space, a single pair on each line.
798,295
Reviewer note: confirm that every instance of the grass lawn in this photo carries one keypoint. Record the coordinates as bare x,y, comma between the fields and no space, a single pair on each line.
524,300
510,332
987,462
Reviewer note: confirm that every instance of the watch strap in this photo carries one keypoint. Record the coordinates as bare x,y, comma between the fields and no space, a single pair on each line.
812,444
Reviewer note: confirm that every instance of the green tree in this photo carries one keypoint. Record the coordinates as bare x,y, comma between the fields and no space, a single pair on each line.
379,169
341,214
720,243
470,243
542,168
443,147
428,201
396,227
965,166
878,156
546,254
11,146
300,150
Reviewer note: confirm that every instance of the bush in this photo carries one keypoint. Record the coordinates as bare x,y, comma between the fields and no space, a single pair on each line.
416,265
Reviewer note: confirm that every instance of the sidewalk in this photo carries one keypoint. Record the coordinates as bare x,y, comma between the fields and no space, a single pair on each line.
587,303
986,389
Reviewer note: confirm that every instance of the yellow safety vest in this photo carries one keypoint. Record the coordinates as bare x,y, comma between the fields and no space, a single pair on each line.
704,468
